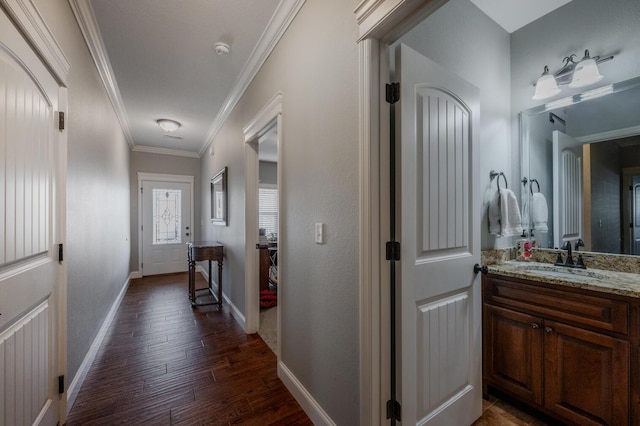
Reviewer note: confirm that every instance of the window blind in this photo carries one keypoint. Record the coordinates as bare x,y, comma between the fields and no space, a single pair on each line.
268,210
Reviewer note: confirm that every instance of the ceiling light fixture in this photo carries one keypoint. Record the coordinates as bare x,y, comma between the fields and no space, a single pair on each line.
168,125
222,49
575,74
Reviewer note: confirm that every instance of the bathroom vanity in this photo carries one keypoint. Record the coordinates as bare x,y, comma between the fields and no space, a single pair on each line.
565,342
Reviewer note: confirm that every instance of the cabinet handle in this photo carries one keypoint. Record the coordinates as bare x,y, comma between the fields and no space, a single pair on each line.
548,329
535,326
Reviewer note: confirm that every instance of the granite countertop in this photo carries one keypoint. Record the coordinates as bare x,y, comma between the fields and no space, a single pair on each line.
612,282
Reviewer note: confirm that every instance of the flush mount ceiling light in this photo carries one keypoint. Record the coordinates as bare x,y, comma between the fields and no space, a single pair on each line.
222,48
168,125
575,74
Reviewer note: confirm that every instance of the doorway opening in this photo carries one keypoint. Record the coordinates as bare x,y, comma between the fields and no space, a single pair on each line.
263,219
268,215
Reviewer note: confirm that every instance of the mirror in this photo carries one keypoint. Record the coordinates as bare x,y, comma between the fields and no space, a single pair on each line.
582,153
219,198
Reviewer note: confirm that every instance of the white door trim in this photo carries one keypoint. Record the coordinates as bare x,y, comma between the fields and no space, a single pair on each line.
380,22
26,16
271,112
157,177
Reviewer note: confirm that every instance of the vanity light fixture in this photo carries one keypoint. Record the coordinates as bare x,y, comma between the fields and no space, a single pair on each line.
168,125
546,86
574,74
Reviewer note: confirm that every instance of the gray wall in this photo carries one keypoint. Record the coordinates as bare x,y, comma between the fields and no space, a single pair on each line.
164,164
268,172
464,40
98,228
315,66
606,216
630,155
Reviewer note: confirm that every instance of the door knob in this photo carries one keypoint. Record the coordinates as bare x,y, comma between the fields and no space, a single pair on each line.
477,268
548,329
535,326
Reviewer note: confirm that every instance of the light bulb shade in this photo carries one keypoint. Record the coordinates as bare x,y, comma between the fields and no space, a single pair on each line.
586,73
546,87
168,125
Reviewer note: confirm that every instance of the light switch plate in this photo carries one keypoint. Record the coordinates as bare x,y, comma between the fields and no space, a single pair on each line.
319,233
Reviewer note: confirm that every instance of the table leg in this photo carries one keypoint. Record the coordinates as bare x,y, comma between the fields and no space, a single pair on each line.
219,283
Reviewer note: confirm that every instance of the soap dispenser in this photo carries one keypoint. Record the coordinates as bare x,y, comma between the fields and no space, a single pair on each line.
523,246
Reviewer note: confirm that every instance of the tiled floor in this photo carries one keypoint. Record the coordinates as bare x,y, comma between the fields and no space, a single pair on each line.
496,412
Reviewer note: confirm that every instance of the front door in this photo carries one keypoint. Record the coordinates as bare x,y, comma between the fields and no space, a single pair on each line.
166,226
440,336
31,212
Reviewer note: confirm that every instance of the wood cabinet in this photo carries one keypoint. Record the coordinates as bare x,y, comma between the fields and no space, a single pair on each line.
563,351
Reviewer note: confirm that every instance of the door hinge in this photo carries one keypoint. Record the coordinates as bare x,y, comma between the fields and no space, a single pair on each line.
393,250
60,252
61,384
393,410
141,190
393,92
60,120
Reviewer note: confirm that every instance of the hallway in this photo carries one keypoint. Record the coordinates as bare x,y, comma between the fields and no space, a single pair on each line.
163,363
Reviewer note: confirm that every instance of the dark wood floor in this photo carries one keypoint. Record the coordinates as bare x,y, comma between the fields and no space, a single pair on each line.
163,363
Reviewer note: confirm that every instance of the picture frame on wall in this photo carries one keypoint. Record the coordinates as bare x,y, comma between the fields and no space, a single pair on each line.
219,207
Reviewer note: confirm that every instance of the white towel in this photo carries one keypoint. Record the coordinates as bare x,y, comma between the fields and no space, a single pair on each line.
510,214
504,214
539,212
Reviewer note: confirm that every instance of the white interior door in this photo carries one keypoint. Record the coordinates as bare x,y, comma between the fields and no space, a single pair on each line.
32,152
567,188
166,226
440,370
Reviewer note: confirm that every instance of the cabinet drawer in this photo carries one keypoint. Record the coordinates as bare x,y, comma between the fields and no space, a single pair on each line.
598,312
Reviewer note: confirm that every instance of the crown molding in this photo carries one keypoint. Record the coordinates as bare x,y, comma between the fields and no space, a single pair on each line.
90,31
165,151
280,21
27,17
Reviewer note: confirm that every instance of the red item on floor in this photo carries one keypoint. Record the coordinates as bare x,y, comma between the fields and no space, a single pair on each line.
268,299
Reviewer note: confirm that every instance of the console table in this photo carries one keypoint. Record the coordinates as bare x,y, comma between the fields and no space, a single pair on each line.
199,251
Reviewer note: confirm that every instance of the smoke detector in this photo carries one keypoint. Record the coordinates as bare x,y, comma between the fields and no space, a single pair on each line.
222,48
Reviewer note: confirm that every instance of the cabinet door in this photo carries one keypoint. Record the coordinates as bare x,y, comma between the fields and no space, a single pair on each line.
586,375
513,352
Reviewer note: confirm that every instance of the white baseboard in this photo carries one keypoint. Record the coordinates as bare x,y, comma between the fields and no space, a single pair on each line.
135,274
76,384
310,406
239,316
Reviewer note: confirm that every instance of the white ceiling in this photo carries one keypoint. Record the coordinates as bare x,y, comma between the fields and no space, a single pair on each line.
157,59
515,14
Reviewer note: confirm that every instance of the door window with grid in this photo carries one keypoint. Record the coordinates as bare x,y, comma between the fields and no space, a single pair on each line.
166,216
